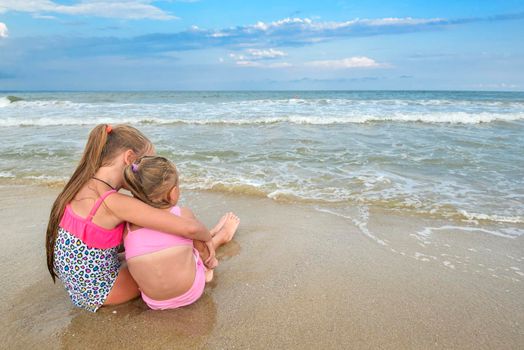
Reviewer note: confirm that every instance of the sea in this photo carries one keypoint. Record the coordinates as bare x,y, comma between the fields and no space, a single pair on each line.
454,155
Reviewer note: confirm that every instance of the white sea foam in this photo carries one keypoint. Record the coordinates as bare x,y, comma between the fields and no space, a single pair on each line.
4,101
448,264
360,222
506,233
496,218
424,257
46,177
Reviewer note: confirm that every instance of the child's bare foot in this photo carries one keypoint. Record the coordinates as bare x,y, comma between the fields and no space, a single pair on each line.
209,275
219,225
228,230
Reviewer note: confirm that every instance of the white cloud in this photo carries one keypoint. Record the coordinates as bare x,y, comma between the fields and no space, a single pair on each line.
252,58
280,65
280,23
258,64
39,16
248,63
344,63
3,30
218,34
350,62
496,86
237,57
269,53
127,9
400,21
310,25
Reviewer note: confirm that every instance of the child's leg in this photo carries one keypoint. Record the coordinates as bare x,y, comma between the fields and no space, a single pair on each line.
226,232
124,289
201,246
222,233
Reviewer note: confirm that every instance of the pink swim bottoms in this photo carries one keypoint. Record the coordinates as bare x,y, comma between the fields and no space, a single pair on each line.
188,297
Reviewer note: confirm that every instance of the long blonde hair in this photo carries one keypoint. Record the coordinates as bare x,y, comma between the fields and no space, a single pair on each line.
103,145
151,180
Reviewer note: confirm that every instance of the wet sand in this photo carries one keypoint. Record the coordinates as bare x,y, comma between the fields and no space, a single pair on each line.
293,278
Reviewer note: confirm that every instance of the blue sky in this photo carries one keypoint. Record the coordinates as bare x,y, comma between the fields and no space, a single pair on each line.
269,45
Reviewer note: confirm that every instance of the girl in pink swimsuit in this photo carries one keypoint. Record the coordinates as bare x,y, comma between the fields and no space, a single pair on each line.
168,269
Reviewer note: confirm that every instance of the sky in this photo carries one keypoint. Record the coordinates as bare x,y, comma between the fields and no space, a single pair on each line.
261,45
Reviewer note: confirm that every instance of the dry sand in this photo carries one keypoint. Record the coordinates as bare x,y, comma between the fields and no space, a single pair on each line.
293,278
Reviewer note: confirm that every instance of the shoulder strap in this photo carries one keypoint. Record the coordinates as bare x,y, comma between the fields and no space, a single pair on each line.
98,203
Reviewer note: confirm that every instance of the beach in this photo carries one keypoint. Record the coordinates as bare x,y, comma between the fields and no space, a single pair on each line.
372,151
293,277
369,219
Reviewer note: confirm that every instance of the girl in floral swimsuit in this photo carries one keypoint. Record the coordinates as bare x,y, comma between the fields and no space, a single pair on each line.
87,221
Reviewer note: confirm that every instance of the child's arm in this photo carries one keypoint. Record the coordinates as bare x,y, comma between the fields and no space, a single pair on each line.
134,211
203,250
209,256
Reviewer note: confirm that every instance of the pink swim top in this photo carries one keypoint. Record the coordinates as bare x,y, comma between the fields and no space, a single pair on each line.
144,240
88,232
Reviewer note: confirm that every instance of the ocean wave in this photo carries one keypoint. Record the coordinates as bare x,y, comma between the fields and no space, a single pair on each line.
399,203
269,102
317,111
7,100
404,204
7,174
449,118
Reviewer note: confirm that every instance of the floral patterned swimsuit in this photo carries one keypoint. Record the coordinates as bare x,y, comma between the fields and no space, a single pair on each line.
85,256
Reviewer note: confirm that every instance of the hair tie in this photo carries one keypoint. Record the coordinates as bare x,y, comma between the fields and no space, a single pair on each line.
134,167
109,128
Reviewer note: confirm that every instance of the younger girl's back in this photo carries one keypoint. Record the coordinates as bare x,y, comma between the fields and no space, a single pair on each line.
163,265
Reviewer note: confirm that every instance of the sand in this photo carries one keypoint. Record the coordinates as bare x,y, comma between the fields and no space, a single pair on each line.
293,278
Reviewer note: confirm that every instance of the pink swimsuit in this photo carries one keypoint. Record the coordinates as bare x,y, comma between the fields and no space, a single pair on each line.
89,232
145,241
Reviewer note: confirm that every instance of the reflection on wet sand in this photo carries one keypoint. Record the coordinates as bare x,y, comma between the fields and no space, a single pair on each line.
42,312
228,251
37,313
136,324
